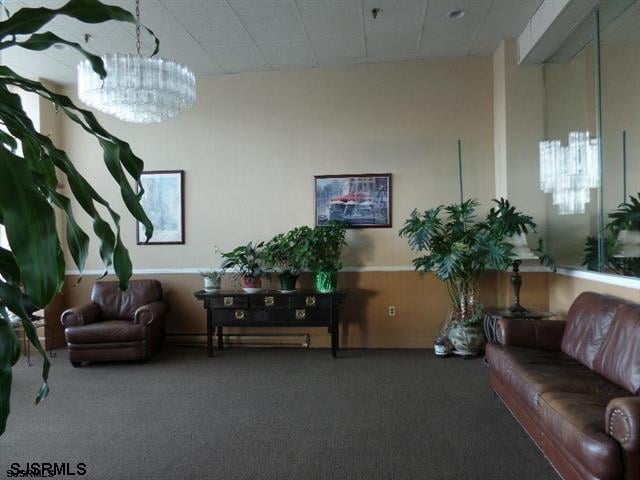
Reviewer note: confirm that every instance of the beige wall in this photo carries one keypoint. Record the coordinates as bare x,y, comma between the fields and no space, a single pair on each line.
253,143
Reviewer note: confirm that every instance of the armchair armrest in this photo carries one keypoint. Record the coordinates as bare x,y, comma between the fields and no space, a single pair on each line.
532,333
622,422
83,315
146,314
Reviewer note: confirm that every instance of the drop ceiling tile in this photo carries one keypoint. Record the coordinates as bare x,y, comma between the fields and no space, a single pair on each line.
253,7
277,25
439,45
398,45
288,54
332,19
394,15
505,10
238,58
338,47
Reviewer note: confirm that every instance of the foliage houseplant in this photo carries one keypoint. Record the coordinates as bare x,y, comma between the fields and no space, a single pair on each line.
246,262
457,246
29,195
288,254
326,246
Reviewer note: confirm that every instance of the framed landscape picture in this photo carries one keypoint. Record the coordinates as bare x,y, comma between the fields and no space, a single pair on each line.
163,201
362,201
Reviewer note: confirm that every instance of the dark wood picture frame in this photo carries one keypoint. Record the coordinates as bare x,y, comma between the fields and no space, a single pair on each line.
369,200
179,239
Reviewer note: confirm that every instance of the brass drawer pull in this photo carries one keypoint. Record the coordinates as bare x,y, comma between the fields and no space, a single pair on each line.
310,301
228,301
239,314
269,301
301,314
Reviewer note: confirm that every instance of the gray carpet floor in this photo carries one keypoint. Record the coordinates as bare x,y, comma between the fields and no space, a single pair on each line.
271,414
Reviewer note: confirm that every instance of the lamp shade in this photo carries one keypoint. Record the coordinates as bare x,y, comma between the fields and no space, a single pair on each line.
628,244
521,250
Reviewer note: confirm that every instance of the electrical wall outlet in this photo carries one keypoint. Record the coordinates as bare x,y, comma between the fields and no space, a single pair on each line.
392,311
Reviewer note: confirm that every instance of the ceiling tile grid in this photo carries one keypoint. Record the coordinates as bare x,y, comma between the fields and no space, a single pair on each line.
233,36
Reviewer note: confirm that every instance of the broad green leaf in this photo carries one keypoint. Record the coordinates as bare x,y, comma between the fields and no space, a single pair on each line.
9,354
8,267
31,230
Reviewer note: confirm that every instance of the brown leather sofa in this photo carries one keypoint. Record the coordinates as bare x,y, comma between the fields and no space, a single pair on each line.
574,385
116,325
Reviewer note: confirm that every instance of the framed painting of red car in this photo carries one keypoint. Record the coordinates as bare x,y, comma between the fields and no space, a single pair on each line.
361,201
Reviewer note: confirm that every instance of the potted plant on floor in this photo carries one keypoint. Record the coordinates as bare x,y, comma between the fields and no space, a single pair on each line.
288,254
457,247
325,248
245,262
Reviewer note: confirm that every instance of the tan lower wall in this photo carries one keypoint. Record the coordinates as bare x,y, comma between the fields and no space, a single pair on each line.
421,306
564,289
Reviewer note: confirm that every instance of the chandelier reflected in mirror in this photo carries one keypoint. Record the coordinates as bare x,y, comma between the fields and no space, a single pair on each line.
137,88
569,172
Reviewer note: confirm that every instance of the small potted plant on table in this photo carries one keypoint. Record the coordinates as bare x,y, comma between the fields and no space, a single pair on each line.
288,254
245,261
212,280
325,248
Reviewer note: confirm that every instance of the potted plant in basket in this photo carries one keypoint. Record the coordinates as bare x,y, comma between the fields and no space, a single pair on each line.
457,247
325,248
245,261
288,254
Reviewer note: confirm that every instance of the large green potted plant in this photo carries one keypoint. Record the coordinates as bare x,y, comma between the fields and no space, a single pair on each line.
245,262
29,195
621,247
326,246
456,246
288,254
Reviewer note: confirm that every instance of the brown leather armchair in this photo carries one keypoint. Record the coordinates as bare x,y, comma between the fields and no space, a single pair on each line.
117,325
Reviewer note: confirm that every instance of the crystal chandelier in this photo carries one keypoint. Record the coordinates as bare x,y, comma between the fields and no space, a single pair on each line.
137,88
568,172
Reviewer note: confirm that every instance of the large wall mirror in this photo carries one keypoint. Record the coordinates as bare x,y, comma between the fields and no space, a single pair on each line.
590,156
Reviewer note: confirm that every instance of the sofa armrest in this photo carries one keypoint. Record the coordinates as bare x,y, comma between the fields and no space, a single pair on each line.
83,315
146,314
623,422
528,332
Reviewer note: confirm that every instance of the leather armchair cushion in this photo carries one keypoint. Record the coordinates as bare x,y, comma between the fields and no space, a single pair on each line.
116,303
110,331
532,372
588,323
577,421
619,357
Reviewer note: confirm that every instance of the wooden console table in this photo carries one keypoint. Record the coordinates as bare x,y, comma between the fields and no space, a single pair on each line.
270,309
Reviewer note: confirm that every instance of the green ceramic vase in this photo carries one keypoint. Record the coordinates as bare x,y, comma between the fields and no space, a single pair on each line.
287,281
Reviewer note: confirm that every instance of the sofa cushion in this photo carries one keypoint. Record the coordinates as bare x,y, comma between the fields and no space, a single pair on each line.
116,303
531,372
112,331
576,420
619,356
588,323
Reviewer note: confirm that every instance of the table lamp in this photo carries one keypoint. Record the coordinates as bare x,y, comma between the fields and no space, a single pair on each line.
519,252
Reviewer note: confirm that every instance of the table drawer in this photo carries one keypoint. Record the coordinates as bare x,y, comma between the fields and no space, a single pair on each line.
303,315
230,301
311,301
242,315
269,301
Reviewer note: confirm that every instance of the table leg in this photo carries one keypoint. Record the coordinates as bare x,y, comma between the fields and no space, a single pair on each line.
220,338
335,334
209,333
